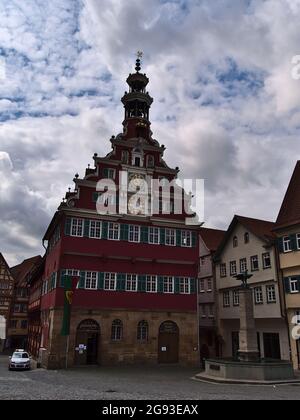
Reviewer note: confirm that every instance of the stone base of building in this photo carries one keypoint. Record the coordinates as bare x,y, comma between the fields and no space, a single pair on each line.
218,370
171,339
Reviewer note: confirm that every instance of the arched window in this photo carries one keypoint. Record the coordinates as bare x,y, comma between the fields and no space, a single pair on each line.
247,238
235,242
125,157
137,157
117,330
142,331
150,161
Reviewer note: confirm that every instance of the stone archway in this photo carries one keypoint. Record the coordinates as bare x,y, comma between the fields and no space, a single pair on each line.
168,343
87,343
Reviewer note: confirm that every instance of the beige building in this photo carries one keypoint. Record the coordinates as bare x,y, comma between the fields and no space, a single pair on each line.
249,244
288,232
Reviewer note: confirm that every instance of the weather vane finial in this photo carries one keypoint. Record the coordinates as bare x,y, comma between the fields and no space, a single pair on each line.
139,55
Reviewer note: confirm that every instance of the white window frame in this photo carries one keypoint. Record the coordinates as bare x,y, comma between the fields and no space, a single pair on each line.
110,280
264,257
154,235
258,295
134,234
287,244
252,260
186,238
150,282
78,226
168,281
185,285
223,270
131,283
202,285
294,285
233,268
170,237
271,293
243,265
91,280
236,298
226,299
96,226
113,228
209,285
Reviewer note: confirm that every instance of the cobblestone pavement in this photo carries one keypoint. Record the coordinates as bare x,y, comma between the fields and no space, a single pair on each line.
127,383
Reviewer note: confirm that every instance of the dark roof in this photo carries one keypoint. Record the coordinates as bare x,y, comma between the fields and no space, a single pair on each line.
21,271
290,210
3,260
212,237
263,229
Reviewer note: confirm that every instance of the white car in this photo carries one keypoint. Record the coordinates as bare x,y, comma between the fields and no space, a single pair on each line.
19,360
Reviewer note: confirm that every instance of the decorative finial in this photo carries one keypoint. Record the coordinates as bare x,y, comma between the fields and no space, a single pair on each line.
138,61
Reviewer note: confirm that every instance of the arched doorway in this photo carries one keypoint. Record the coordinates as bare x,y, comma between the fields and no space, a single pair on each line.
168,343
87,343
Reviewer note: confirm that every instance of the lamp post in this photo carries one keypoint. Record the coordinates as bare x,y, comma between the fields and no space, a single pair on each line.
248,347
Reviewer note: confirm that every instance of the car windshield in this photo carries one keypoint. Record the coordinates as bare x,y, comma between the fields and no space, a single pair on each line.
20,355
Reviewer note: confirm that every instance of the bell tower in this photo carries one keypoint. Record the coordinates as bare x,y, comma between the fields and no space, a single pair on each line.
137,103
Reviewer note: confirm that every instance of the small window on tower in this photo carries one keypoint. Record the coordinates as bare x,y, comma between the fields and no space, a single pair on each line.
125,157
150,161
137,161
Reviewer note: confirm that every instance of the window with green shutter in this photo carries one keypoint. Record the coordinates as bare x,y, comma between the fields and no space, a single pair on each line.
104,230
86,230
293,242
100,285
280,245
68,223
193,285
81,283
162,236
142,283
121,282
62,278
194,239
177,285
160,284
144,234
287,285
124,232
178,237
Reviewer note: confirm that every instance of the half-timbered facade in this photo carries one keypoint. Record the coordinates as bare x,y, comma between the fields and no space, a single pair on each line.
6,296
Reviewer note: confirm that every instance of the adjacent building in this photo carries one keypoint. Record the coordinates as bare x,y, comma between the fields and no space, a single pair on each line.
136,299
209,241
250,245
18,322
287,229
6,297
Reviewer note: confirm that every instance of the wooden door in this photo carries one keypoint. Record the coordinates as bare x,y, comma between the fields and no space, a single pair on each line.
168,343
272,346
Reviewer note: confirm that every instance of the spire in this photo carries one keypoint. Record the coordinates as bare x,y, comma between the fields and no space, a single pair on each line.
138,61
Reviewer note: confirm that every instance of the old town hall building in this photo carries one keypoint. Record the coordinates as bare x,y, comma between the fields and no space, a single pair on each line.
136,298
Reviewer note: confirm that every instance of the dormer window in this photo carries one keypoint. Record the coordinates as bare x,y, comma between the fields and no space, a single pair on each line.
235,242
137,157
246,238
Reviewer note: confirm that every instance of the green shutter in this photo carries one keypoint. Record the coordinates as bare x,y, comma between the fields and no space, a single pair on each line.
178,237
121,282
86,228
177,285
194,239
280,245
287,285
144,234
62,278
104,230
100,285
82,280
160,286
193,285
124,232
293,239
68,226
162,236
142,283
95,197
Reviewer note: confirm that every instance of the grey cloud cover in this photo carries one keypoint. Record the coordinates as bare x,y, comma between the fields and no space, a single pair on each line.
225,106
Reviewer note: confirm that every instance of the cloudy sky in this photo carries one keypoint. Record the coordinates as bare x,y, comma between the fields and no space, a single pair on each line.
226,105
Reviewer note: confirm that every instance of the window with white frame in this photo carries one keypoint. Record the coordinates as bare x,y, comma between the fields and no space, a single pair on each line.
154,235
114,231
117,330
185,285
134,233
287,244
170,237
72,273
203,311
235,242
168,285
201,285
209,285
258,295
90,280
294,287
110,281
223,272
233,268
131,282
243,265
254,263
186,238
95,229
298,240
236,298
266,260
151,284
271,293
226,299
142,331
77,227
